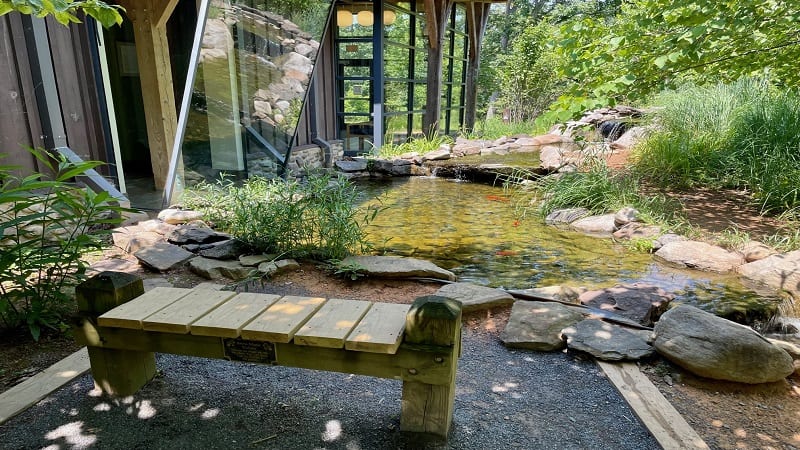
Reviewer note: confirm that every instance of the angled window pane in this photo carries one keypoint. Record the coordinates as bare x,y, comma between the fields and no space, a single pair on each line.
255,63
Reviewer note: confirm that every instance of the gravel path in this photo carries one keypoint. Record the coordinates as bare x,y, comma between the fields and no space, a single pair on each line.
505,400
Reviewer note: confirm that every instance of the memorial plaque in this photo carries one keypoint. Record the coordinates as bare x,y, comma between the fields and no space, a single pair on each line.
249,351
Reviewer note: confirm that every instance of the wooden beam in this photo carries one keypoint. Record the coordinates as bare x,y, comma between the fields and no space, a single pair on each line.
656,412
149,18
477,18
437,13
39,386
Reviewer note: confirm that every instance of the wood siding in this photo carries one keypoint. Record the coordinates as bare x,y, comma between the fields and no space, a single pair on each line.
21,125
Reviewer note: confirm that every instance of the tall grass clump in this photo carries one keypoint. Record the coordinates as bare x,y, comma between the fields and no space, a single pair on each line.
47,226
421,145
744,135
596,188
318,218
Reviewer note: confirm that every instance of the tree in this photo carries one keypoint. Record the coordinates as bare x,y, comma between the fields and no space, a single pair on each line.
655,44
65,11
527,75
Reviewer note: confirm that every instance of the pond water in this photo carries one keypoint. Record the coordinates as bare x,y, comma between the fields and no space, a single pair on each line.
471,229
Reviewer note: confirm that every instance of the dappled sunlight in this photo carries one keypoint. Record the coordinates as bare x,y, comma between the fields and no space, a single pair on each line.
73,435
69,374
333,431
505,387
344,324
210,413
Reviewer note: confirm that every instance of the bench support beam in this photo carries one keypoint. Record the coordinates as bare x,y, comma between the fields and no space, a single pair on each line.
115,372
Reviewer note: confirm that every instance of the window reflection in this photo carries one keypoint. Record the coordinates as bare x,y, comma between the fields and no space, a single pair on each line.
254,70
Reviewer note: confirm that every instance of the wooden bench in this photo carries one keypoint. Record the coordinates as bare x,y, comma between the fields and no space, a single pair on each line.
419,344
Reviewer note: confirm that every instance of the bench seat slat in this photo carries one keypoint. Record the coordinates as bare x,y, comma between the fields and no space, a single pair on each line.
332,323
132,313
228,319
381,329
281,321
177,317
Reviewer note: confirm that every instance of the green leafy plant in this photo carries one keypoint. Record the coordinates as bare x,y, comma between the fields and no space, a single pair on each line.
421,145
351,271
66,11
47,225
317,218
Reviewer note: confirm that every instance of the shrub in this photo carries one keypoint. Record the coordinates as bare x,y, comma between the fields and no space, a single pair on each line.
318,218
46,228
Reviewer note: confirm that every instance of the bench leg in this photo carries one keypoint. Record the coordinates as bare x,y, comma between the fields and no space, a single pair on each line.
116,372
121,373
427,408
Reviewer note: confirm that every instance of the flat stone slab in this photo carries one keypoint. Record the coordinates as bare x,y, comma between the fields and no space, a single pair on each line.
351,166
538,325
780,272
640,302
163,256
271,268
216,268
191,234
254,260
700,256
474,297
157,226
608,341
230,249
397,267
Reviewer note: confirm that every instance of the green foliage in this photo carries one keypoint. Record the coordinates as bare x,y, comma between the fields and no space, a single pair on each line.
495,128
46,227
350,271
316,219
596,188
527,75
66,11
421,145
655,44
743,135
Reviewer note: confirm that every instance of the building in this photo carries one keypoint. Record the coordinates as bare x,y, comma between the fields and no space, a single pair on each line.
257,87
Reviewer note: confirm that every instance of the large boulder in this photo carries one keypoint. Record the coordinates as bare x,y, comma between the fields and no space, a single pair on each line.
607,341
397,267
600,226
474,297
700,256
717,348
777,271
538,325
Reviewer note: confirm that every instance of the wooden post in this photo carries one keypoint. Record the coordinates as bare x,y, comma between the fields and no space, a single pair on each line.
437,13
477,18
149,19
436,322
116,372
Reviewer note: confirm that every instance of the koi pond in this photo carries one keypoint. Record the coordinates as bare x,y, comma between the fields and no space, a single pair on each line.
472,230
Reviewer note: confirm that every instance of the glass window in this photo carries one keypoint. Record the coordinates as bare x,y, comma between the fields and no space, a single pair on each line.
255,65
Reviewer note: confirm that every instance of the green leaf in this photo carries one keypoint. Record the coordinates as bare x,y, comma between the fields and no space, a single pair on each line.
661,61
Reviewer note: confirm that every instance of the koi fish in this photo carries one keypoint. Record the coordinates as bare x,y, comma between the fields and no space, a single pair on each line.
506,253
